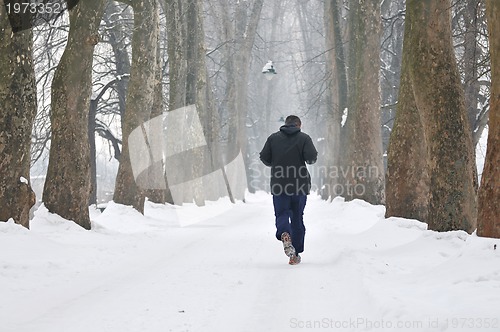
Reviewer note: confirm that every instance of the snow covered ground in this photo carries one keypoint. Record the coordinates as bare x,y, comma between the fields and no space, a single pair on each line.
219,268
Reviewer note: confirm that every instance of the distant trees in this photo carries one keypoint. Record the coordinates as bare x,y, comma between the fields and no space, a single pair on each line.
471,46
489,192
189,85
109,98
242,29
19,102
393,18
431,73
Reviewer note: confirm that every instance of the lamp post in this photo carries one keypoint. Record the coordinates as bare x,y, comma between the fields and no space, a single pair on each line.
269,71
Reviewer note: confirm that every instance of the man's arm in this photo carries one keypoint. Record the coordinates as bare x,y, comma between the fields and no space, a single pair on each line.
266,155
310,153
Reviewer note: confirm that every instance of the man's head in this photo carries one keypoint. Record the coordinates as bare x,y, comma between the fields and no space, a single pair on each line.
293,120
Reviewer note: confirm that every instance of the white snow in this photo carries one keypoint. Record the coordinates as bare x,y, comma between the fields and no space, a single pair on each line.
22,179
219,268
481,153
344,116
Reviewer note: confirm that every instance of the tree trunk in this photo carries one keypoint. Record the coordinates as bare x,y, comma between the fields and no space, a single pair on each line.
140,97
336,98
176,69
364,163
176,35
186,62
19,103
158,195
118,42
407,180
196,89
471,54
489,192
93,152
440,100
67,186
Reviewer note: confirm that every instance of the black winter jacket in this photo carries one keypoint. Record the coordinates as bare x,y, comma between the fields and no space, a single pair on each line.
287,152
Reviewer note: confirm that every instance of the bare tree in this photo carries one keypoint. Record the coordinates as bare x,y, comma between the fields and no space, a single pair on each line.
19,103
407,179
190,85
49,42
393,17
336,95
140,97
111,75
439,98
158,195
489,192
242,29
471,48
67,186
365,175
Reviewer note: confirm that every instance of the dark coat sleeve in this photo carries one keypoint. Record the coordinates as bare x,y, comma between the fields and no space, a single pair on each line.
309,153
266,155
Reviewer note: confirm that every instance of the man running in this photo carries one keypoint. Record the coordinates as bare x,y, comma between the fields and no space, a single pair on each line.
287,152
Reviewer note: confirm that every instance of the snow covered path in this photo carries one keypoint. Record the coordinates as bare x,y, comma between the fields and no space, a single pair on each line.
219,268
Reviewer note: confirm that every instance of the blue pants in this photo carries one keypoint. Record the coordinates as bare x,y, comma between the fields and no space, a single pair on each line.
289,210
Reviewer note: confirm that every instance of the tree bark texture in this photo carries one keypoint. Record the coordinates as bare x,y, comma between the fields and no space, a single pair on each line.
140,97
407,180
336,95
196,87
364,164
439,98
18,101
471,55
489,192
93,151
67,186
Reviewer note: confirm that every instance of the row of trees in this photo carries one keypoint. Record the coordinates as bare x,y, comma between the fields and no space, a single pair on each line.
156,68
359,73
431,128
431,164
431,171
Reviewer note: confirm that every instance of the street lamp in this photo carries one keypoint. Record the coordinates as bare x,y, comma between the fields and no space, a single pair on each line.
269,70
